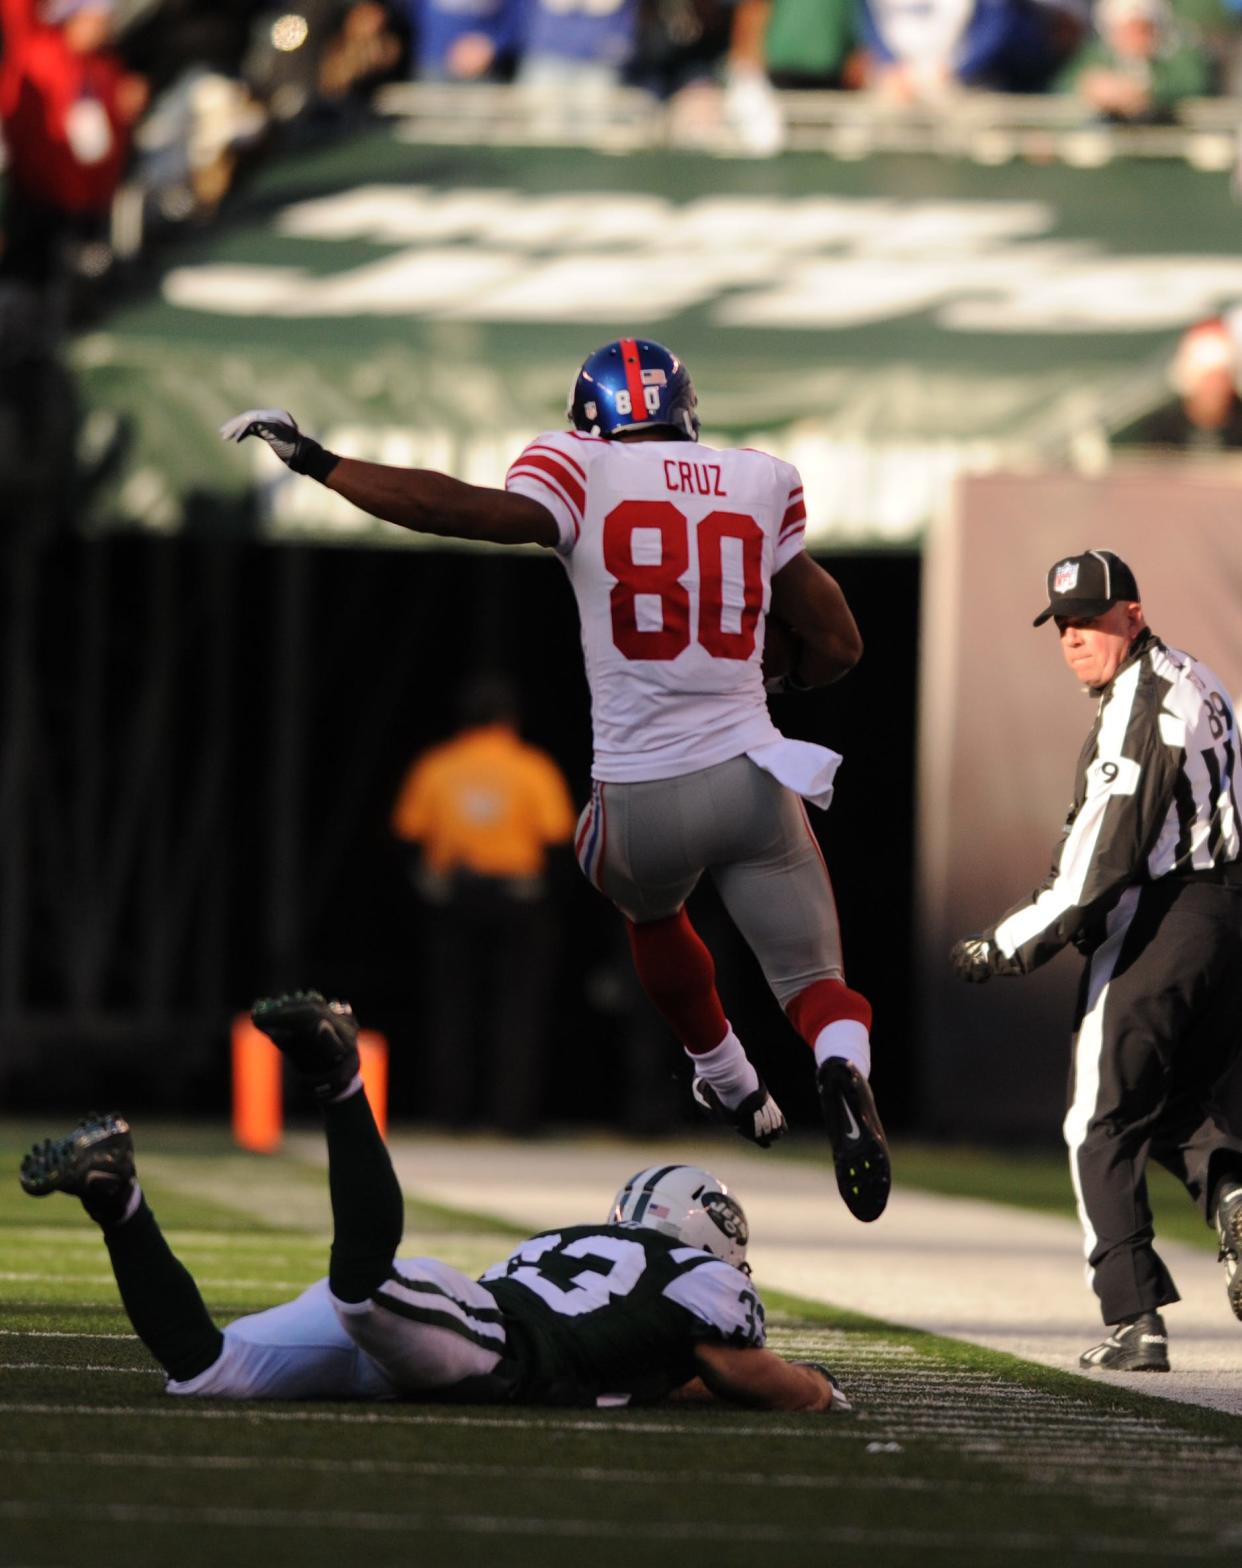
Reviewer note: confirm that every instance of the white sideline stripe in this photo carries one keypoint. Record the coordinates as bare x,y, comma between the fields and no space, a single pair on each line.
817,1426
608,1474
12,1277
57,1333
205,1279
622,1529
965,1432
85,1237
76,1366
1053,1481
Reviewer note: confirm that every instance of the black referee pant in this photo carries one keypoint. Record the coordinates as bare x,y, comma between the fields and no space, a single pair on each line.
1156,1029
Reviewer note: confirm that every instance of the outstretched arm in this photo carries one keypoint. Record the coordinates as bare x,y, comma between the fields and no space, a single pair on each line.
415,498
811,604
1125,797
761,1379
432,503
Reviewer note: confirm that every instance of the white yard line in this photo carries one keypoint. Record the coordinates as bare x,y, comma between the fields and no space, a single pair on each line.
78,1366
58,1333
606,1475
997,1276
397,1414
508,1525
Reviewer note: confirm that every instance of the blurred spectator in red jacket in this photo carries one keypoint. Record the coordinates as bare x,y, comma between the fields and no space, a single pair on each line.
67,106
1206,415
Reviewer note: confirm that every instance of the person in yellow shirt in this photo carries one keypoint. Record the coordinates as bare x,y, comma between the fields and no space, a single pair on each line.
481,811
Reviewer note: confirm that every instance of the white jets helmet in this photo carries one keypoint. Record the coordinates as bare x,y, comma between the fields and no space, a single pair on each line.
689,1204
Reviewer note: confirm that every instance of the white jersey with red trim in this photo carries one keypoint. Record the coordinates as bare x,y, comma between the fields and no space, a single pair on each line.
671,548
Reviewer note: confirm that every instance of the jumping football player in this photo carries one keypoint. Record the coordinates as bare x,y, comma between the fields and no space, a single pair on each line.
655,1302
677,554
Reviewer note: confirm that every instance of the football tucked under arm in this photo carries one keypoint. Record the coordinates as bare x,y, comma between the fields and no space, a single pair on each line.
811,607
780,653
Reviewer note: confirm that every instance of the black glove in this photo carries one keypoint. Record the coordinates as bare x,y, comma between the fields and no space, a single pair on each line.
973,959
280,430
839,1401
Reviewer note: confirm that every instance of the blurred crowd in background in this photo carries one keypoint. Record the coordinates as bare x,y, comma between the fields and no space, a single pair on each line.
125,120
122,115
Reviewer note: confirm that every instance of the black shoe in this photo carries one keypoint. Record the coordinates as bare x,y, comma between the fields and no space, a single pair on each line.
864,1174
320,1038
758,1117
1229,1228
1140,1346
98,1152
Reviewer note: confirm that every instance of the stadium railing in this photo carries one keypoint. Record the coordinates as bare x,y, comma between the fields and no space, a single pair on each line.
987,128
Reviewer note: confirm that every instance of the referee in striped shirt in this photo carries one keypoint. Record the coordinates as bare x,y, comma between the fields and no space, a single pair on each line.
1147,884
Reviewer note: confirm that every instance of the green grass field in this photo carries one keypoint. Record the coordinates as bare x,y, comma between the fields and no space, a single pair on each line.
954,1455
1038,1179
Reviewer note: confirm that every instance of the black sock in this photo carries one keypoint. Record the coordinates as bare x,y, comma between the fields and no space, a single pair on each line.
368,1212
107,1198
161,1297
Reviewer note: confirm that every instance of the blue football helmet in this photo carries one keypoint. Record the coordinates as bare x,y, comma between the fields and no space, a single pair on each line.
633,384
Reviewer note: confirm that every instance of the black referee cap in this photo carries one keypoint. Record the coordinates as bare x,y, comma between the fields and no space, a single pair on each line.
1080,586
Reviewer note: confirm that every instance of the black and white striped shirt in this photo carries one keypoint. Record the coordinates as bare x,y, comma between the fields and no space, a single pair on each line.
1156,796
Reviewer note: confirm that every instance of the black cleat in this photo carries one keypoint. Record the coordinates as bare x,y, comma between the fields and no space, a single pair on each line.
99,1151
319,1037
758,1117
1229,1228
1141,1346
864,1174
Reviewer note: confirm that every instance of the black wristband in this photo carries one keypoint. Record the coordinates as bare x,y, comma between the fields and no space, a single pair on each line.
311,458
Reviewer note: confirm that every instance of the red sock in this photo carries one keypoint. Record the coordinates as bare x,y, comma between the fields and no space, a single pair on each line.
824,1003
678,974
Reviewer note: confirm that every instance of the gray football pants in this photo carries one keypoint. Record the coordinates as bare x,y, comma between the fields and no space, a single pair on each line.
645,846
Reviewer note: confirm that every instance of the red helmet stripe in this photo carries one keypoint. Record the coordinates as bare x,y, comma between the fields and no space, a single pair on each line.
634,377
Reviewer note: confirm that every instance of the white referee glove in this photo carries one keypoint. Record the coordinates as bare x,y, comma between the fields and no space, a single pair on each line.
280,430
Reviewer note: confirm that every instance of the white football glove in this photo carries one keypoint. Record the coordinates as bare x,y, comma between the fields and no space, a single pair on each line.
280,430
972,959
839,1401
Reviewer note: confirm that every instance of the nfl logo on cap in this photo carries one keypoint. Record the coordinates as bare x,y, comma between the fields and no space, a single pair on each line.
1086,585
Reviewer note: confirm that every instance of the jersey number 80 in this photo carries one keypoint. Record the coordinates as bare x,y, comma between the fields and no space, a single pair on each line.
662,579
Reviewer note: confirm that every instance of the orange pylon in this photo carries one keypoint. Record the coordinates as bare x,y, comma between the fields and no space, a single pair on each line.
258,1098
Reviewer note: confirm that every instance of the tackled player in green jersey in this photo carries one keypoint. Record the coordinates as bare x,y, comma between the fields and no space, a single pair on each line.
655,1302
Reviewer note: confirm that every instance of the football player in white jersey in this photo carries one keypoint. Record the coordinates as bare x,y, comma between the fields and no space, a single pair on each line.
678,554
653,1302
